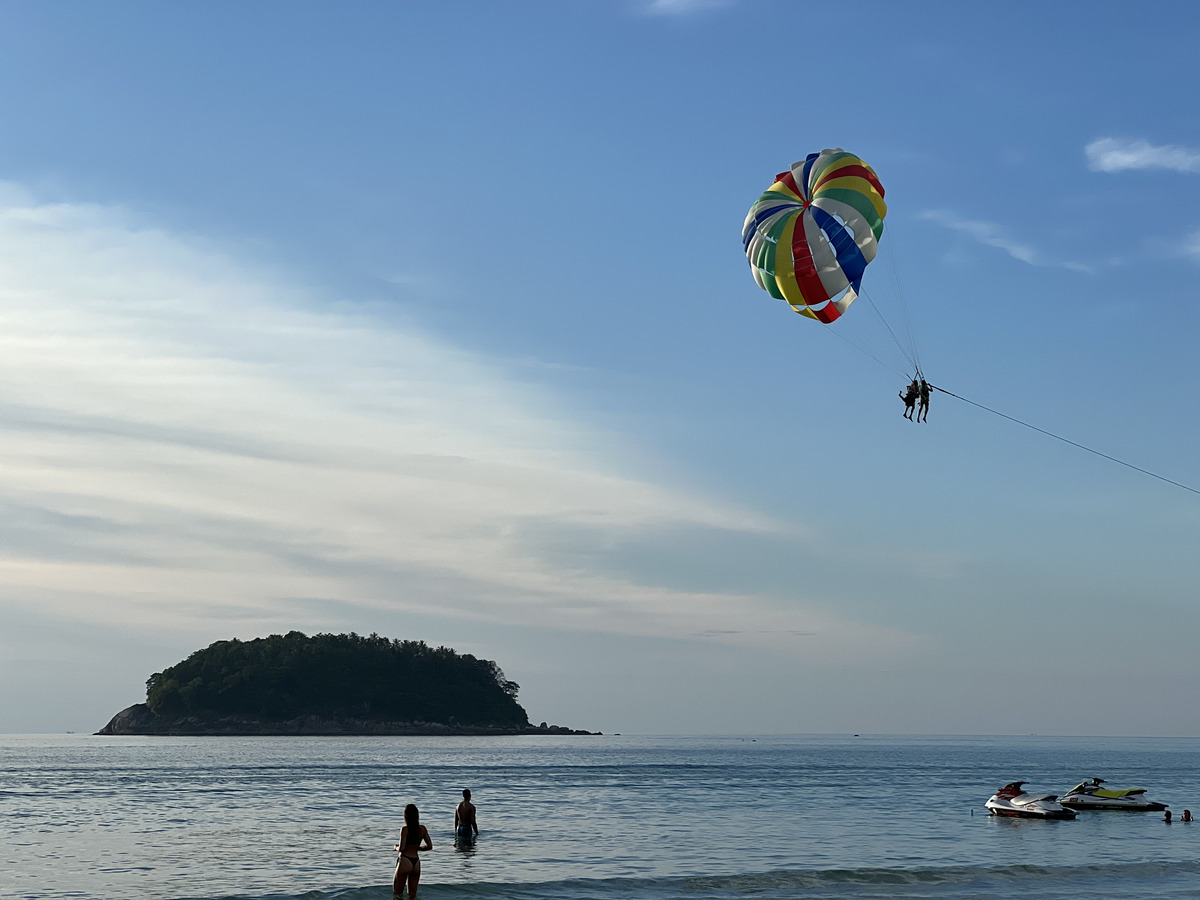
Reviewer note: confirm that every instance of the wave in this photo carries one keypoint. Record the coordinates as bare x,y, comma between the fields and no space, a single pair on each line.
1126,881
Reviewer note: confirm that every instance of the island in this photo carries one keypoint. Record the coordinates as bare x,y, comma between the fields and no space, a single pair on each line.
329,684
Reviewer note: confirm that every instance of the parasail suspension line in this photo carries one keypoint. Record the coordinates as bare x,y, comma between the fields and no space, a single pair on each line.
911,357
864,351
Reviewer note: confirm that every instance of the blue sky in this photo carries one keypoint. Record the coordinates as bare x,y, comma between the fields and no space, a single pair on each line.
432,320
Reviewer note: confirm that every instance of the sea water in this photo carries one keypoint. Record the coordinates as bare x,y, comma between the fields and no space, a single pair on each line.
572,818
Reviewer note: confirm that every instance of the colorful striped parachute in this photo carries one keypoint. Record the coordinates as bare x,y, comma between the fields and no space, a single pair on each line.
809,238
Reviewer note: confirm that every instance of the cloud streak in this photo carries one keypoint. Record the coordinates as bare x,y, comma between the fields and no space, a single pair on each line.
991,234
188,439
1126,155
683,7
1191,245
987,233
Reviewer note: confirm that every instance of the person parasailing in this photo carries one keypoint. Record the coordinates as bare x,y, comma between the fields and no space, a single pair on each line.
809,239
910,398
923,409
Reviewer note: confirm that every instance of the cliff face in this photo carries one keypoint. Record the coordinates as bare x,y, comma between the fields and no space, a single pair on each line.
328,684
138,719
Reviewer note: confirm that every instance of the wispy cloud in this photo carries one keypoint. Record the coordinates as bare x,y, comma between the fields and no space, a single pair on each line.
188,438
1191,245
988,233
991,234
1125,154
683,7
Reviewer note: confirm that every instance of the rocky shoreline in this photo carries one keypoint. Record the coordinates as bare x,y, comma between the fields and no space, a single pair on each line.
139,720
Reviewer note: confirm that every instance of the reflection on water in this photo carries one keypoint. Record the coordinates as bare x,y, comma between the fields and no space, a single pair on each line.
464,853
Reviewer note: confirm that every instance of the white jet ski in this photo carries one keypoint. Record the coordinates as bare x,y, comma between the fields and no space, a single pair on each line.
1090,795
1010,800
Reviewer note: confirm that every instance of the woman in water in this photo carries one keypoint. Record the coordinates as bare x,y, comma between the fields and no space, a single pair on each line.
414,837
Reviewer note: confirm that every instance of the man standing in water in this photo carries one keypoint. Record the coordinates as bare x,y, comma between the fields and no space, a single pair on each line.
465,827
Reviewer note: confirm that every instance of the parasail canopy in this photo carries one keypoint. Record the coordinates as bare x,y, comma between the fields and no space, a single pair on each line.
810,236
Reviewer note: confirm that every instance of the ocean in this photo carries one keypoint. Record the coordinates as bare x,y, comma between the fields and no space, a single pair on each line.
576,818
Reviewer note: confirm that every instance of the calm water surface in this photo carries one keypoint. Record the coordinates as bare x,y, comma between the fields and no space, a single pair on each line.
586,817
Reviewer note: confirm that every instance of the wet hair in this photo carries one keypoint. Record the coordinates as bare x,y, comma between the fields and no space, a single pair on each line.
412,819
466,793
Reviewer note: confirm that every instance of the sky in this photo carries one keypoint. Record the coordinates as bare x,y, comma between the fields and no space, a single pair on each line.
433,321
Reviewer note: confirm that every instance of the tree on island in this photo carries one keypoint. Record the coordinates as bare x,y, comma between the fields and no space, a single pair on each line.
336,676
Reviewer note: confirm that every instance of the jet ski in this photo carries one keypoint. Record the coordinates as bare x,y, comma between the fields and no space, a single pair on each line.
1090,795
1010,800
